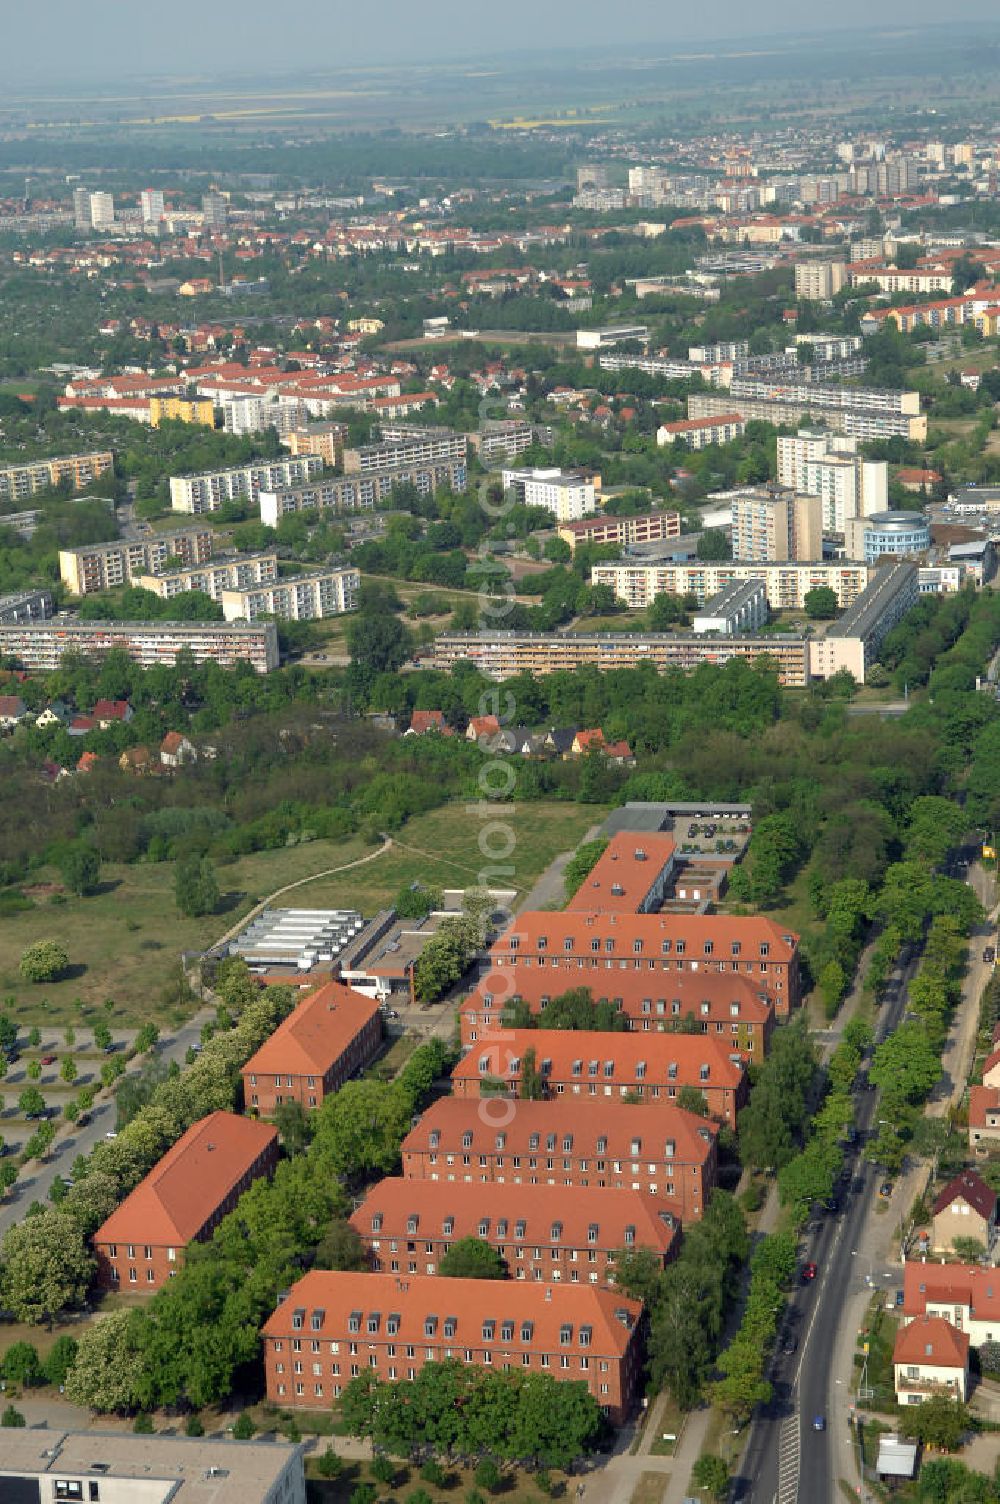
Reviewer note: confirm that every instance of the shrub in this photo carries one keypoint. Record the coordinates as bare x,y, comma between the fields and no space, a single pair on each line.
243,1426
487,1475
143,1424
12,1417
329,1465
193,1426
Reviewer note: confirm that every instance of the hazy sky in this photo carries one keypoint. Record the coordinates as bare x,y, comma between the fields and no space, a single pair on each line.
104,38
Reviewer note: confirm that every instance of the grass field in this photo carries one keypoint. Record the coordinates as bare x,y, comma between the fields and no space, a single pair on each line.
125,940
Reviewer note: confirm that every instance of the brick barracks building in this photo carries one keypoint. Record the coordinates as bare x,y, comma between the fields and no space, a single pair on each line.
660,1150
331,1034
182,1200
595,1066
581,949
541,1232
727,1006
332,1327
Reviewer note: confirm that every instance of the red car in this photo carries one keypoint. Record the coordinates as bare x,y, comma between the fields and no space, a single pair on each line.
809,1272
48,1059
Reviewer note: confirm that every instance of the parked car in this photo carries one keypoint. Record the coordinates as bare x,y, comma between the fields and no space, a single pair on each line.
789,1344
819,1422
48,1059
809,1272
885,1189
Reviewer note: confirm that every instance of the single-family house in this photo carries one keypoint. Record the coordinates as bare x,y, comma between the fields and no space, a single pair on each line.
56,714
80,725
480,726
965,1209
984,1115
87,762
931,1357
176,750
587,741
110,712
136,760
422,721
12,712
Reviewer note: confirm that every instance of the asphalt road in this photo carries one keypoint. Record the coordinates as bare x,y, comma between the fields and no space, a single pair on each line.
34,1185
786,1458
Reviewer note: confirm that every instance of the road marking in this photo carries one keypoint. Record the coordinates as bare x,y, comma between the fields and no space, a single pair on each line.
789,1450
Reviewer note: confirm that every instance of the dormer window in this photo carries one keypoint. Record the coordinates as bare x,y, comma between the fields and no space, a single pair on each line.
629,1236
520,1228
412,1223
392,1324
467,1139
765,948
377,1222
484,1227
565,1334
298,1320
318,1317
430,1326
450,1326
592,1232
709,947
435,1139
507,1332
556,1232
354,1321
568,1143
448,1226
373,1322
527,1330
489,1329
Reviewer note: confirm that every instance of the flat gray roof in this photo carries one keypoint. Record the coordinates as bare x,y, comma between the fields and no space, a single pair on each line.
864,615
195,1470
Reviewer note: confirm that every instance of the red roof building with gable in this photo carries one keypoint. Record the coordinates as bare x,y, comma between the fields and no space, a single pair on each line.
332,1033
595,1067
541,1232
182,1200
351,1322
724,1004
579,949
661,1150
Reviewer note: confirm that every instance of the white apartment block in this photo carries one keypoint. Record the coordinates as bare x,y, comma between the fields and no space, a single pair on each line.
774,523
239,573
79,470
703,428
327,592
786,584
102,210
207,492
151,205
40,646
611,334
407,449
814,394
852,643
819,281
95,567
248,414
827,465
568,497
788,411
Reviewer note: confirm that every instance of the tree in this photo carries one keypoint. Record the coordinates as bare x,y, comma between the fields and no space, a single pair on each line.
45,1267
378,643
532,1083
692,1100
59,1360
195,887
31,1103
487,1475
341,1247
68,1070
582,863
102,1037
12,1418
472,1258
713,545
244,1428
80,867
105,1375
939,1422
45,961
21,1365
293,1125
711,1473
969,1250
821,603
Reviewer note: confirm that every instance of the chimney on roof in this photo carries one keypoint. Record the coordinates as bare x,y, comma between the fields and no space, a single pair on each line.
209,1147
548,1292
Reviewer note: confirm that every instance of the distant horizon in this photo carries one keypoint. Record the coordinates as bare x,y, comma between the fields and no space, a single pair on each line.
92,47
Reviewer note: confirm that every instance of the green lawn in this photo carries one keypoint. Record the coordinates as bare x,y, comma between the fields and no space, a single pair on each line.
124,941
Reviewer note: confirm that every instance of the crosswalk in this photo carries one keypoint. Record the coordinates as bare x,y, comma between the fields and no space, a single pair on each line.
789,1449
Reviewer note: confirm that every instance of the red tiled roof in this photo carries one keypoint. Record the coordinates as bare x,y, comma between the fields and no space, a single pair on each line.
623,875
688,425
315,1034
11,705
173,742
983,1100
427,720
617,1122
721,931
658,1053
971,1188
180,1193
721,990
967,1285
339,1295
654,1220
110,710
932,1342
